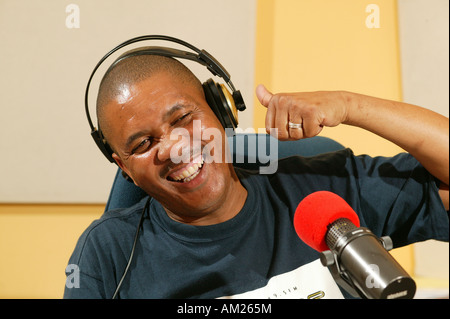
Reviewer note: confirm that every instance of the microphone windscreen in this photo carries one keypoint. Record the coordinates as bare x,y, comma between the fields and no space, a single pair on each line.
315,212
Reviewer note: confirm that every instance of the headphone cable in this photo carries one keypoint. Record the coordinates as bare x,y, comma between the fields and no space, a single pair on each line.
130,258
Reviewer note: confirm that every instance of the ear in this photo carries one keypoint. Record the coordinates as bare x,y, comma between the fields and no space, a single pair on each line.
125,171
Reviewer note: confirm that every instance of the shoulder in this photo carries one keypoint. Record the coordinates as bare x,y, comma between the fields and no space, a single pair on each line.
317,162
289,169
346,162
102,250
122,218
112,228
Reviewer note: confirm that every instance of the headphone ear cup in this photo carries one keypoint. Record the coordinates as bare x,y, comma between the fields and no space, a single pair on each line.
221,102
212,100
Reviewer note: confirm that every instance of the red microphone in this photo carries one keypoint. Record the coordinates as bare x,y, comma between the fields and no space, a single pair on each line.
316,212
357,259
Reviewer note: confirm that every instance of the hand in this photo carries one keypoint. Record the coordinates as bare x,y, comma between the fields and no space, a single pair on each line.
313,110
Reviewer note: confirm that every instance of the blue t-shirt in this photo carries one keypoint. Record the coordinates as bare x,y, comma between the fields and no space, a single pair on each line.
257,254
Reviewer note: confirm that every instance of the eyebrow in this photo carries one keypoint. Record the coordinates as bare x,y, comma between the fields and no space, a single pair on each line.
166,116
172,110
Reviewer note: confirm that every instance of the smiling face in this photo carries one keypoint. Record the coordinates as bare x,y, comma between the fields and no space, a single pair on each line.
140,122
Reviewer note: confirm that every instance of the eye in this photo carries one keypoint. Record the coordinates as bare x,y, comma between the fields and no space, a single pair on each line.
185,118
142,147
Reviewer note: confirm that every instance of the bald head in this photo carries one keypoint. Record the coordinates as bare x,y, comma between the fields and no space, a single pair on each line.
135,69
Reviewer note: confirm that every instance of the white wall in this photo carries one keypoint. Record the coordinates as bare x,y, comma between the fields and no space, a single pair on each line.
47,154
424,43
424,34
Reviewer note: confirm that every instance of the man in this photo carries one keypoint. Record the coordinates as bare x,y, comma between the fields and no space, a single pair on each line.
215,231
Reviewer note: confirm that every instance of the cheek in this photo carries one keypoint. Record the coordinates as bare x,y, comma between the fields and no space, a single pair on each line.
142,169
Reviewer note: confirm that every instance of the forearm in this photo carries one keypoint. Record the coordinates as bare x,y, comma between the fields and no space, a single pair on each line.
421,132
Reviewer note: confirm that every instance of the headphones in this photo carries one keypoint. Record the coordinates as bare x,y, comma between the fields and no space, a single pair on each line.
223,103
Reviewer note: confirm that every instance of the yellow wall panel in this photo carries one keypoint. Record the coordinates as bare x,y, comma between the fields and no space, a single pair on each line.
36,242
327,45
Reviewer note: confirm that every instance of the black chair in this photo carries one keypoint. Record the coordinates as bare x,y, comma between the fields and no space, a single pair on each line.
245,149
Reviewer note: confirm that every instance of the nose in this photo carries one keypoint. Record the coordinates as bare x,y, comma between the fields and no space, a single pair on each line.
174,146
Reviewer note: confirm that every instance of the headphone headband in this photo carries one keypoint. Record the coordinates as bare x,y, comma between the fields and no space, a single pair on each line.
202,57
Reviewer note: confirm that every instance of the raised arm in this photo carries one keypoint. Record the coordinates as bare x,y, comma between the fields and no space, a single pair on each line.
419,131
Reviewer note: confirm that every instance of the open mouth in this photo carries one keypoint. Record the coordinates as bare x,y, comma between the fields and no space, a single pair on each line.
187,173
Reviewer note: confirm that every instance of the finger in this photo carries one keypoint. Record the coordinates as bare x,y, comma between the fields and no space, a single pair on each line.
270,118
296,133
263,95
311,127
281,122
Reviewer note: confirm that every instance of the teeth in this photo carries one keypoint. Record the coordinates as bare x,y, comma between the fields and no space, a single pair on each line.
191,178
192,170
186,173
189,173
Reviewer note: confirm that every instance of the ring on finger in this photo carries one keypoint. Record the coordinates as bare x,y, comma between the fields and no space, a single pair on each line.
295,125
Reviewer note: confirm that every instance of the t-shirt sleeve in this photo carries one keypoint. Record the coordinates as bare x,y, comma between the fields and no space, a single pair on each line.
399,197
98,260
83,272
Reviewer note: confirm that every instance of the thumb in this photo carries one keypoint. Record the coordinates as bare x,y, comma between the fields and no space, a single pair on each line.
263,95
